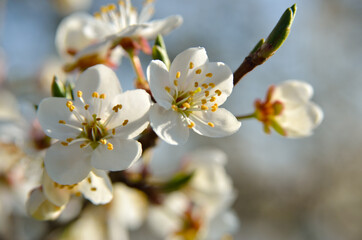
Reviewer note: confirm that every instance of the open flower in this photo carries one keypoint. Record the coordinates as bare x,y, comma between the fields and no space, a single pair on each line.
288,109
189,96
85,40
96,129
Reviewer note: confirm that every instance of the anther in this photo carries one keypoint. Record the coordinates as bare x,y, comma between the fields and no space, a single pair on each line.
125,122
102,96
186,105
218,92
97,15
103,141
178,74
168,89
64,143
196,84
86,106
84,123
191,65
205,85
174,107
82,145
207,93
210,124
198,71
203,101
209,75
79,94
69,139
89,180
175,82
212,85
113,131
62,122
78,194
191,125
111,7
109,146
95,95
214,108
71,108
104,9
69,104
212,99
204,107
93,189
98,119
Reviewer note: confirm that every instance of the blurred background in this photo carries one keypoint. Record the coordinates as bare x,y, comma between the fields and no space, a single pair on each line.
287,188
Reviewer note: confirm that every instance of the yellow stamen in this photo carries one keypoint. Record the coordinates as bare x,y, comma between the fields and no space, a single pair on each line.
95,95
89,180
69,103
174,107
109,146
102,96
209,75
78,194
191,65
113,131
111,7
168,89
175,82
204,107
214,108
125,122
62,122
198,71
84,124
196,84
97,15
82,145
186,105
104,9
203,101
207,93
212,99
93,189
64,143
178,74
103,141
71,108
210,124
218,92
205,85
212,85
191,125
79,94
55,184
86,106
70,139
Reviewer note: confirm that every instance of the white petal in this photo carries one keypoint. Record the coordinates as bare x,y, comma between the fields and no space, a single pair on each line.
40,208
56,195
169,125
300,122
98,78
162,26
293,91
50,112
135,107
222,77
225,123
68,164
125,152
158,77
97,187
78,31
182,62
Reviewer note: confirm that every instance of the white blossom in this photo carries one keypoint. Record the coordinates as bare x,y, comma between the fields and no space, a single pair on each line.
96,129
189,95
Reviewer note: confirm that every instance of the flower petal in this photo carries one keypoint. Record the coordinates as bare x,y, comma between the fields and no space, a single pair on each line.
224,123
68,164
222,77
293,91
50,112
97,187
78,31
125,152
195,56
162,26
300,122
100,79
158,77
52,191
169,125
135,107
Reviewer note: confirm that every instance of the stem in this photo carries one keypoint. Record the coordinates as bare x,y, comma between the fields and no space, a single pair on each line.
249,63
137,66
246,116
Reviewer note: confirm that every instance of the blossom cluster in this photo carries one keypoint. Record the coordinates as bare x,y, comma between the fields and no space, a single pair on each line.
92,142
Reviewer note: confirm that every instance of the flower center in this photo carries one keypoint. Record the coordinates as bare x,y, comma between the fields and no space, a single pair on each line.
94,129
196,95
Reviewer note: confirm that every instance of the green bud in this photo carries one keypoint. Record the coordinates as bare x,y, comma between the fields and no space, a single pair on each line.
69,90
257,46
177,182
58,88
279,34
159,51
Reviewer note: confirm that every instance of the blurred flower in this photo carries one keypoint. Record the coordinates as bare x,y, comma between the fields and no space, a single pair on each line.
189,96
96,129
288,109
65,7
